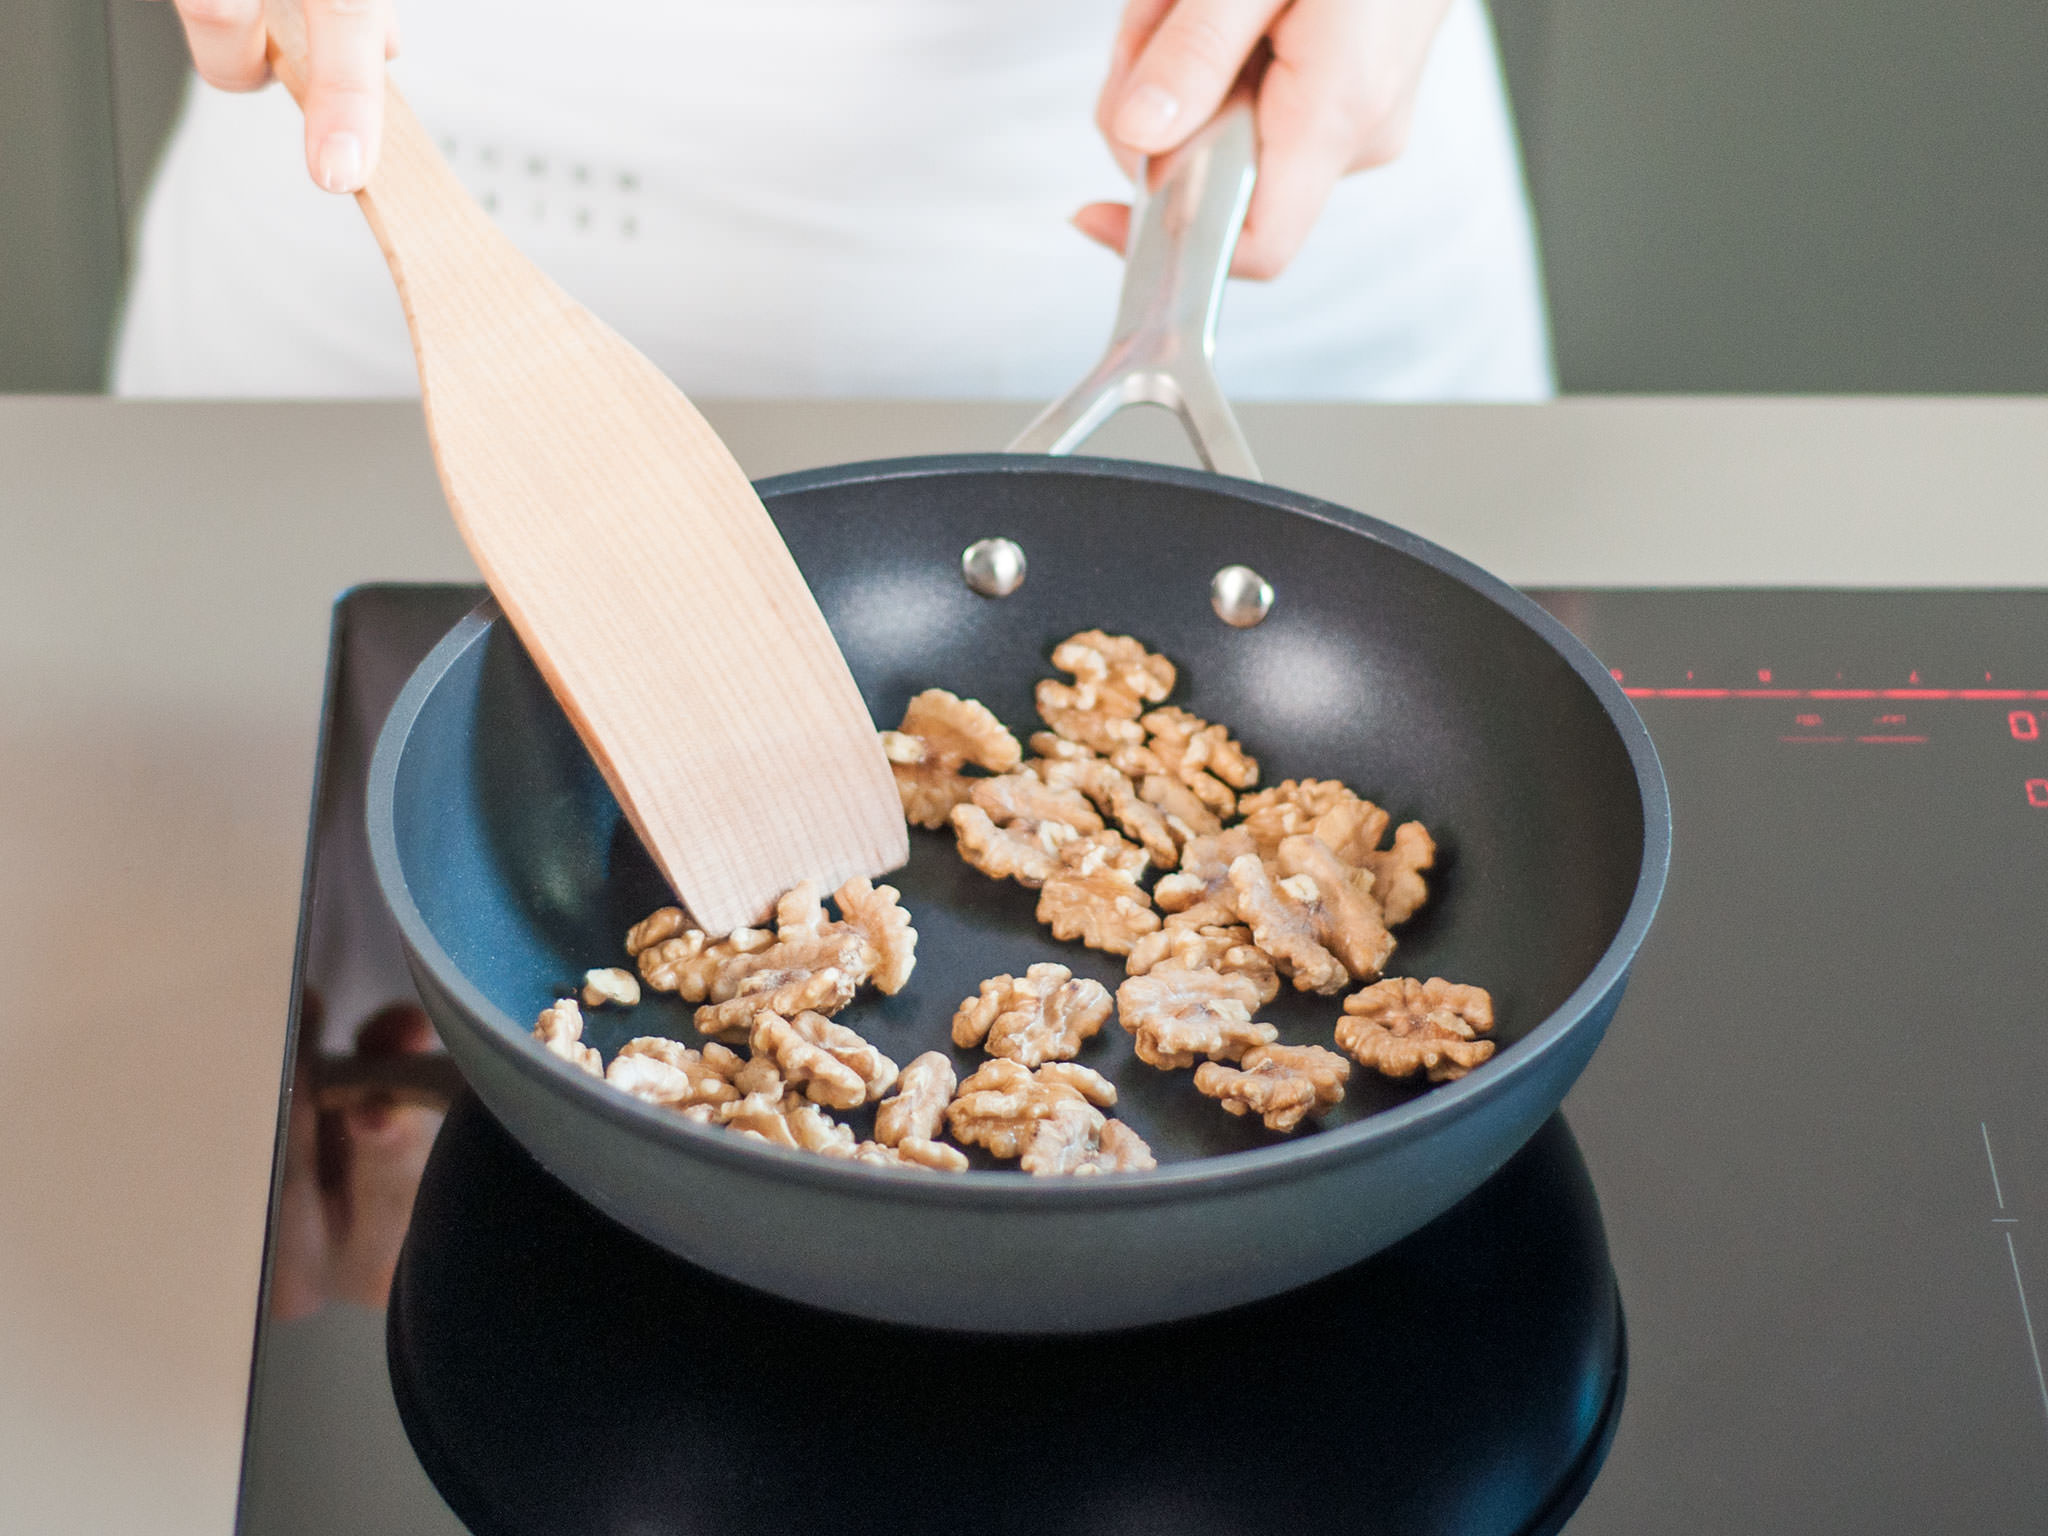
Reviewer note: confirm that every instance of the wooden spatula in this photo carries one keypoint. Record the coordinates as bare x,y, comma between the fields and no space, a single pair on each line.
631,555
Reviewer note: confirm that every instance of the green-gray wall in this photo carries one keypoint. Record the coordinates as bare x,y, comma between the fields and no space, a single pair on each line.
1756,195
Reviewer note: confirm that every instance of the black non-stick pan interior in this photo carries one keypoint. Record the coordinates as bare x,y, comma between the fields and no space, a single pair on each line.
1443,696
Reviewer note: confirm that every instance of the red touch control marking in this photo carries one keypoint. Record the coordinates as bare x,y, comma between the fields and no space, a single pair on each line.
2024,724
1900,739
1975,695
2037,793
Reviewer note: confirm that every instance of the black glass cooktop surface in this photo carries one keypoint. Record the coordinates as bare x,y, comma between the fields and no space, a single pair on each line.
1769,1272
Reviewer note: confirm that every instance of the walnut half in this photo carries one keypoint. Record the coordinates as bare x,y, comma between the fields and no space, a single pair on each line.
814,971
687,961
1093,894
1116,797
1289,921
1294,806
1348,918
1203,879
782,1119
1401,1026
1176,1016
1078,1139
875,912
1196,946
1279,1083
942,732
917,1110
1201,756
833,1065
560,1029
1027,853
912,1152
1115,677
671,1074
609,984
1041,1016
1351,828
1397,871
1001,1105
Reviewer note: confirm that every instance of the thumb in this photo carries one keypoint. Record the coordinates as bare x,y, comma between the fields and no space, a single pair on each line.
346,44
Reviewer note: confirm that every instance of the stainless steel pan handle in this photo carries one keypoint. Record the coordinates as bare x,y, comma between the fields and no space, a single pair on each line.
1183,232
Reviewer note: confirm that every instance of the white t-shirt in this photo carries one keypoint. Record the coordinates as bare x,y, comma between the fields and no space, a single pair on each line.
822,197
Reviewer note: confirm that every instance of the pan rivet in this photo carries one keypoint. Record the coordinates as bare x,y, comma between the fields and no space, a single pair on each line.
1240,596
993,567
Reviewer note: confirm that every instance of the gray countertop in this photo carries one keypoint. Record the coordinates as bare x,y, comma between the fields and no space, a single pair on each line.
165,576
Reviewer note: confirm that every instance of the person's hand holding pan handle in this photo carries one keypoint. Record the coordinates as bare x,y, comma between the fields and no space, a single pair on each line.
1336,82
348,43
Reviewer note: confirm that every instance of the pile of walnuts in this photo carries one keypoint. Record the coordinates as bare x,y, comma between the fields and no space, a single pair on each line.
1300,883
773,992
1140,827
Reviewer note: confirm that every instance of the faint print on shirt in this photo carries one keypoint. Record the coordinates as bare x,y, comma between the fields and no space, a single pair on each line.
531,187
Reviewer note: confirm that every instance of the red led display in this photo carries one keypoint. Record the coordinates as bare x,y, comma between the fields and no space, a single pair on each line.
1971,695
1885,729
2037,793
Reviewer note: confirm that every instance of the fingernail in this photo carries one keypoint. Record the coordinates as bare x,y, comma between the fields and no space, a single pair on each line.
340,164
1146,116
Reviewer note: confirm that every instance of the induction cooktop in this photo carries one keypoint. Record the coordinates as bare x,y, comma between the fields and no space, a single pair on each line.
1769,1271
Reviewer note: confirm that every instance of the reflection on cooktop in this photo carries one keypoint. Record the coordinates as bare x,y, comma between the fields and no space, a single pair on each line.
557,1374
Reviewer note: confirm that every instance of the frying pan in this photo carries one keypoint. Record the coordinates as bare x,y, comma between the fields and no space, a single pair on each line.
1385,661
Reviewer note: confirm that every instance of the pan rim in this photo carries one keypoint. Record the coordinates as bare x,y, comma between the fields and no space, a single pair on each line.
1250,1168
